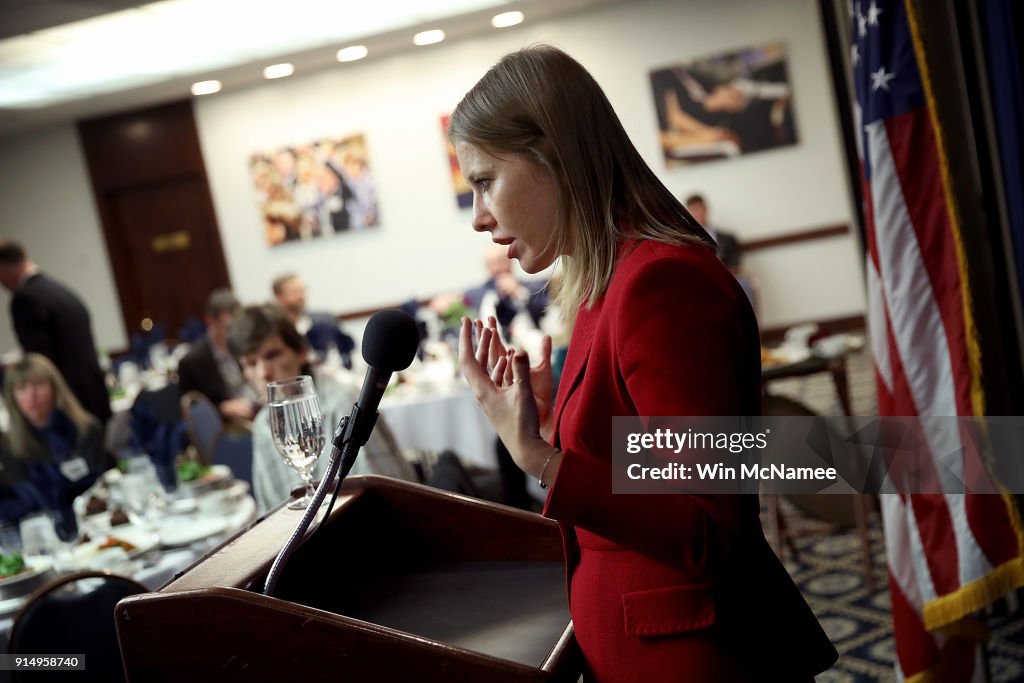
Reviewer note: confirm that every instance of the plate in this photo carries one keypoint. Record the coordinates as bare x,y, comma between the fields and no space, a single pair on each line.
777,357
15,590
217,477
180,531
144,541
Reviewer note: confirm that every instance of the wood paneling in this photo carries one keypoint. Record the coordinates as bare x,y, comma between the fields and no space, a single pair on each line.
155,206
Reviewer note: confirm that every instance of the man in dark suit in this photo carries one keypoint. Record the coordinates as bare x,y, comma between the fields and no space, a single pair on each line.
51,320
211,369
728,245
505,297
729,248
321,330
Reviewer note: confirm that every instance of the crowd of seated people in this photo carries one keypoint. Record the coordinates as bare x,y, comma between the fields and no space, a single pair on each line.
54,450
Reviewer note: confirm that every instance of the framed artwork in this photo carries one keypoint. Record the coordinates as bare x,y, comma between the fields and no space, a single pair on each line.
725,105
463,192
321,188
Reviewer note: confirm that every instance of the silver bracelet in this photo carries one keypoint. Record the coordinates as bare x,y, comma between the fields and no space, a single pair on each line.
540,479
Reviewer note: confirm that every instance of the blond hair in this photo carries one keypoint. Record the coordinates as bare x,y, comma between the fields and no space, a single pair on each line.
21,436
542,104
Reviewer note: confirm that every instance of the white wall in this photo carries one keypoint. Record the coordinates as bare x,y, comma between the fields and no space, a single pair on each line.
424,244
47,205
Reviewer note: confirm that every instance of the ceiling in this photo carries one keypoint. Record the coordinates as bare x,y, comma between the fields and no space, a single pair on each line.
63,60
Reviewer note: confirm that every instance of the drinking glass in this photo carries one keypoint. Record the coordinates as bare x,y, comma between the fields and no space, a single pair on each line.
297,425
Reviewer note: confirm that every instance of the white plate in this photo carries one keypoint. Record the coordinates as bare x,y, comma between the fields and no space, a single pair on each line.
216,475
34,564
143,540
178,531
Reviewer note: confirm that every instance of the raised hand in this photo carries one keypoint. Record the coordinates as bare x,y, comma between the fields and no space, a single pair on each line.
501,383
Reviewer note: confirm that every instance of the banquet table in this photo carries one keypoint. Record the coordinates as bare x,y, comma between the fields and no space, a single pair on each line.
195,533
440,419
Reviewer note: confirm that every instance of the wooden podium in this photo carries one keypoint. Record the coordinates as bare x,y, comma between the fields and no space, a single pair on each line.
403,583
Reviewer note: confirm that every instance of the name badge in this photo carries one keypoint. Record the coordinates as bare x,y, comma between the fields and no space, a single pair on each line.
74,469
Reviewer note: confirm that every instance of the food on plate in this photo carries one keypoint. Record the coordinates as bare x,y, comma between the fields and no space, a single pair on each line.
770,357
11,564
114,542
95,505
119,517
191,470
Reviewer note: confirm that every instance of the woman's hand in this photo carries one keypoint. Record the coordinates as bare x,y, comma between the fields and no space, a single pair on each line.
502,385
542,381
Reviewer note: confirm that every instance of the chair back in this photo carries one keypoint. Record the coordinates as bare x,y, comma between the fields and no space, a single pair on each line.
157,429
233,448
202,422
57,619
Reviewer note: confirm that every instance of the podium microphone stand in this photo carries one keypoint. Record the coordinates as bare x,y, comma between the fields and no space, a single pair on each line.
403,583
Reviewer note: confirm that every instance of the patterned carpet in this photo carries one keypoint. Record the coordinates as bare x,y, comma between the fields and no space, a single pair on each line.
829,571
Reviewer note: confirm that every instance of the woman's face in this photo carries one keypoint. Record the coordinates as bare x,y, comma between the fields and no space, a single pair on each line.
35,400
514,199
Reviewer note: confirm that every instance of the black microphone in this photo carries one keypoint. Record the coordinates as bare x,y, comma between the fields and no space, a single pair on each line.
389,345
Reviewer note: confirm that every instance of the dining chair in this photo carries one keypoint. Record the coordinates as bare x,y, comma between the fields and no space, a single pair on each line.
158,429
233,447
74,615
202,422
843,510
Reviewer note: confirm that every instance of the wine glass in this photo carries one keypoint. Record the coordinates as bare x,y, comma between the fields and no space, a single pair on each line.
297,425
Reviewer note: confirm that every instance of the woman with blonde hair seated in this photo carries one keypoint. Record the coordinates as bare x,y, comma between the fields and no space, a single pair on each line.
53,449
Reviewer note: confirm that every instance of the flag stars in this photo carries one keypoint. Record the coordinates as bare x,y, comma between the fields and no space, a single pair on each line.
862,25
880,79
855,55
873,14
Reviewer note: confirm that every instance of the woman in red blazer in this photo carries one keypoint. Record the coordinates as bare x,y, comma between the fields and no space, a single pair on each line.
661,587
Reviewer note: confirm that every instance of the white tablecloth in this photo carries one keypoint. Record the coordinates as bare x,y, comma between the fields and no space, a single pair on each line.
441,420
157,571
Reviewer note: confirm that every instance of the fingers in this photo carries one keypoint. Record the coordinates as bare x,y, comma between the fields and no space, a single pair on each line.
521,370
500,370
471,369
545,350
497,348
483,346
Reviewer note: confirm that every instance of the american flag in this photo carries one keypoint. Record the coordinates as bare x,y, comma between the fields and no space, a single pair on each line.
948,555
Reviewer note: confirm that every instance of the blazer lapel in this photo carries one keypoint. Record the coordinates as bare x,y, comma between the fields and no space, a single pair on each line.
575,362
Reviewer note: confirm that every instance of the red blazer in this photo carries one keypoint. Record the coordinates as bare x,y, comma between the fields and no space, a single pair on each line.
670,587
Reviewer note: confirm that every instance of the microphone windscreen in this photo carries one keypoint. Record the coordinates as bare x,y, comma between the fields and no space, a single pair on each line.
390,341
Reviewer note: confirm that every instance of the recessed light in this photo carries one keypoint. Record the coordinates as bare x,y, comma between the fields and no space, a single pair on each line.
428,37
279,70
506,19
205,87
352,53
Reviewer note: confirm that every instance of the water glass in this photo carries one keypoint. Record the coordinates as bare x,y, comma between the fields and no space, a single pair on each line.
39,535
297,425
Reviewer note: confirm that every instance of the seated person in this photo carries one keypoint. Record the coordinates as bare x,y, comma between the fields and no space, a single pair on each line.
209,367
322,330
511,302
270,349
53,450
729,249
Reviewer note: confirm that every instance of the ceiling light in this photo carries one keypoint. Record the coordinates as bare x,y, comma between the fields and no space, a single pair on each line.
428,37
352,53
506,19
86,59
279,70
205,87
